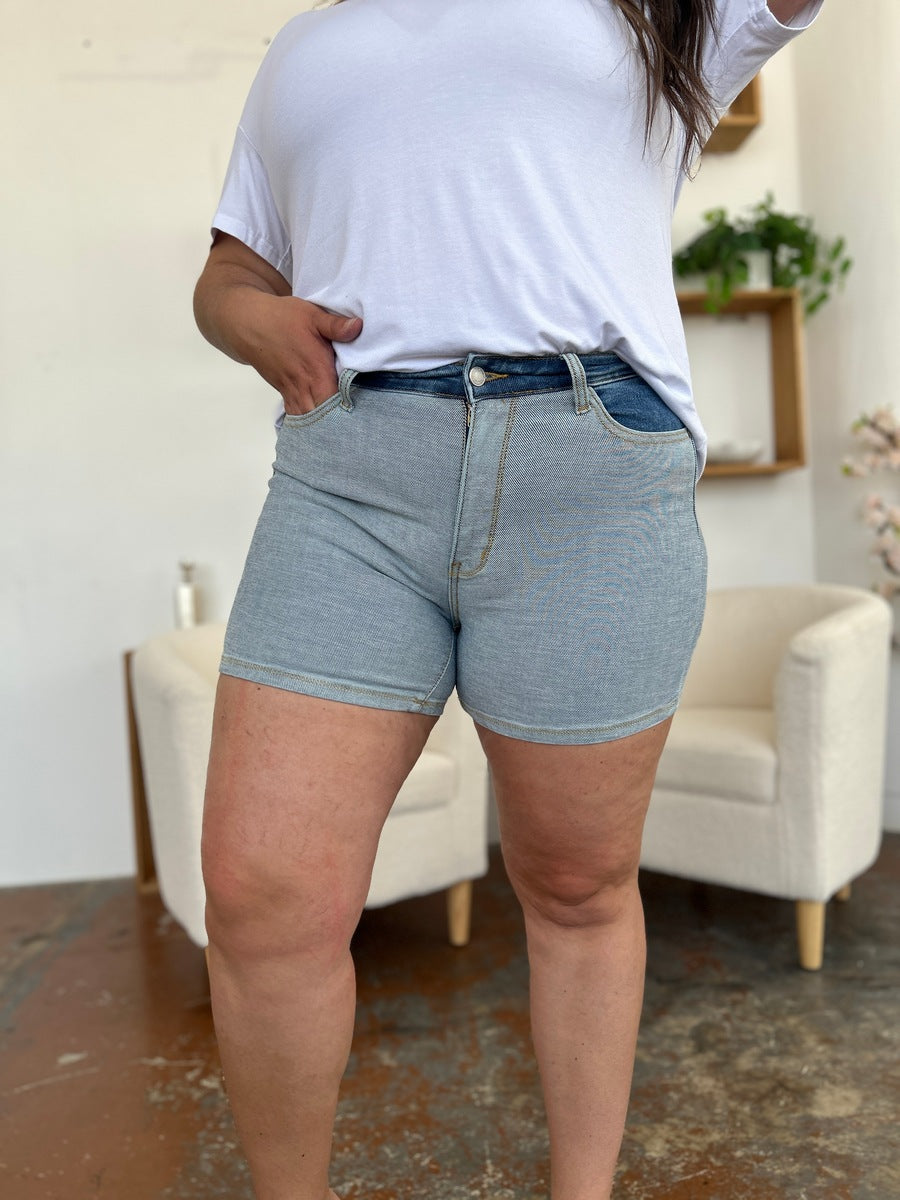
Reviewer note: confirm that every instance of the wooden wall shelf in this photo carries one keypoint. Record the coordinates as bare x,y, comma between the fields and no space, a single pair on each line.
784,307
738,122
718,470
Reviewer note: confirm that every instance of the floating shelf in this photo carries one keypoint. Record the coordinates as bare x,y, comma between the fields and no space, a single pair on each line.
738,122
785,311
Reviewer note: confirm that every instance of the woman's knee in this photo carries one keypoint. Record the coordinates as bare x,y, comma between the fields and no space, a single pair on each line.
576,898
261,903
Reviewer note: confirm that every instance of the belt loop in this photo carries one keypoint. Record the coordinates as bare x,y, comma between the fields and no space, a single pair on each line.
579,381
347,377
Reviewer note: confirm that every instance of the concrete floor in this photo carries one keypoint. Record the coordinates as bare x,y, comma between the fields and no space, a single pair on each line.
754,1080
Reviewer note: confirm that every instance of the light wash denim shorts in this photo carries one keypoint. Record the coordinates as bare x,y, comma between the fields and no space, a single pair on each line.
521,528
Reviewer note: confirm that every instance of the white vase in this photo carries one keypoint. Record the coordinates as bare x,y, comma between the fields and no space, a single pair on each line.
759,264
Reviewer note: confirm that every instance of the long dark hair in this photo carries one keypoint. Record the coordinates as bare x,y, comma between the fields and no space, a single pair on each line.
670,36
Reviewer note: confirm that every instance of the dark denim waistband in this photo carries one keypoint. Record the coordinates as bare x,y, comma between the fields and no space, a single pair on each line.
498,374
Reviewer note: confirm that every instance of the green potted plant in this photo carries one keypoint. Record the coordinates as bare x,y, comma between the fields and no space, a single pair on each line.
796,255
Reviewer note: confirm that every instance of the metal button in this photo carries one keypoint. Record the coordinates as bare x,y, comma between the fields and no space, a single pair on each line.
477,376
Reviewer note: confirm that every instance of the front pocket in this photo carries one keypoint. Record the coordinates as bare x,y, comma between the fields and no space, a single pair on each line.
296,420
630,407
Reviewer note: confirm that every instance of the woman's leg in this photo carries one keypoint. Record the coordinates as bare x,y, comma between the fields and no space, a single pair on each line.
571,819
298,790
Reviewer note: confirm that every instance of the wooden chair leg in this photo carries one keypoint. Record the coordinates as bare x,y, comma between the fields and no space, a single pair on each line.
459,912
811,933
143,842
844,893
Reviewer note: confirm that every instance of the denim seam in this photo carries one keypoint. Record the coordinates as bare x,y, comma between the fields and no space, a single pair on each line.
655,714
495,511
538,391
366,387
454,595
298,421
455,564
443,671
355,689
694,506
612,379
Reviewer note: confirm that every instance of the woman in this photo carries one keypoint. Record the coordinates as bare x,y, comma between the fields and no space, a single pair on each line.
444,238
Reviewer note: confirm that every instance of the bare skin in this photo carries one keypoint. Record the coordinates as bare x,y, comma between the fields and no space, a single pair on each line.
785,10
297,792
244,307
292,779
571,819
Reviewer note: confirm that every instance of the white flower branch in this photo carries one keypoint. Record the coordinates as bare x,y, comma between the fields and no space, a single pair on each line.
879,433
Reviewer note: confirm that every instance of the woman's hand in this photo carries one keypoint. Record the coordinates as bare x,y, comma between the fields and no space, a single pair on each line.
244,307
288,341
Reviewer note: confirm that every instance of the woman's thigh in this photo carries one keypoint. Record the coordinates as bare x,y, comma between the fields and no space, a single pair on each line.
571,816
298,789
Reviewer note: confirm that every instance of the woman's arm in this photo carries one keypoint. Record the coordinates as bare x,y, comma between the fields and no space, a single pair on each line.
244,307
785,10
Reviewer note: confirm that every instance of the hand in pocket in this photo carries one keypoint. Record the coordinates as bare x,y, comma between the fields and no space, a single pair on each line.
292,347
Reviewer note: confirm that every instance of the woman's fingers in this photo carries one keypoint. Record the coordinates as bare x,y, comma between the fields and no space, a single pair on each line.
335,327
292,349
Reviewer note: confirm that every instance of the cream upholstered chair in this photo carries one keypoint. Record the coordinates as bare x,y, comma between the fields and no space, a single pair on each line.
434,838
772,776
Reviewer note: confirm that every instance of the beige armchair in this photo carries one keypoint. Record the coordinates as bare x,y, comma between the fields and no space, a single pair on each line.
434,838
772,777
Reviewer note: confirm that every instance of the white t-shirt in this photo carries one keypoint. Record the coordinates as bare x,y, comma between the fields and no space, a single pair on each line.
468,176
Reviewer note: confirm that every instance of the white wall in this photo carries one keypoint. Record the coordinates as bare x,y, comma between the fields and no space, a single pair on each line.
850,180
758,529
127,443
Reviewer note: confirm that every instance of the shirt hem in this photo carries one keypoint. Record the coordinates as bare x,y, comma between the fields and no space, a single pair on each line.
257,243
780,34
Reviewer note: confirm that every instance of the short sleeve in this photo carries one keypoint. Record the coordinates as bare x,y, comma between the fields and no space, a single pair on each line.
247,208
749,34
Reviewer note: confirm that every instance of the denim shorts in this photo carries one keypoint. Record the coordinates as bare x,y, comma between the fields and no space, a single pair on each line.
521,528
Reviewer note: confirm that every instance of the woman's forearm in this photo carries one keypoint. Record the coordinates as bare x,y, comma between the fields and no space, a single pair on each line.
228,300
